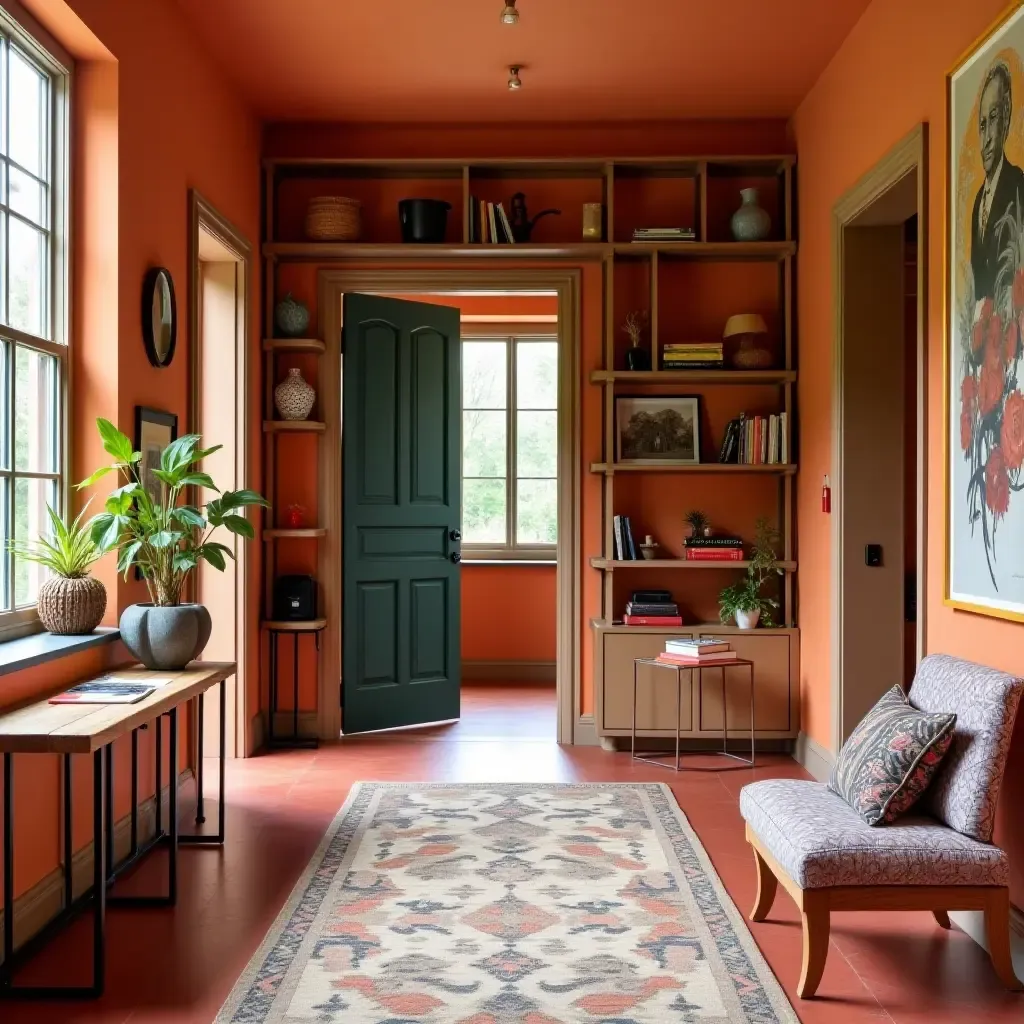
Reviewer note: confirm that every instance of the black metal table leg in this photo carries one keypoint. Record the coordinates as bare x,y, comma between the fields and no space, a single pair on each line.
8,869
294,741
187,839
135,793
273,688
172,802
200,815
69,853
295,686
108,753
159,795
100,786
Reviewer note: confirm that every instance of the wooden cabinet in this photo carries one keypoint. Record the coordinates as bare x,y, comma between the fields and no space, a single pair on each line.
775,653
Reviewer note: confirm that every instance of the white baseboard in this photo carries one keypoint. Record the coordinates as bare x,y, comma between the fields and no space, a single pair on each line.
508,671
814,757
36,907
972,923
584,733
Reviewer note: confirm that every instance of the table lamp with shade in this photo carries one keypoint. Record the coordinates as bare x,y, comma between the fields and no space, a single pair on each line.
746,332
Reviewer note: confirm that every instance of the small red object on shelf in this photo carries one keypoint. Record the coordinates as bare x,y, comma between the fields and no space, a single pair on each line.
295,517
826,497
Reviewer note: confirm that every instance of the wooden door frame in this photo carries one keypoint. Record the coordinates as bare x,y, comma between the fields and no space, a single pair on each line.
205,217
908,156
333,283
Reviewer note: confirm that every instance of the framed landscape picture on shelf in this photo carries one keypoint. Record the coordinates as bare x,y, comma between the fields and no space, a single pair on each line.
984,421
662,429
154,431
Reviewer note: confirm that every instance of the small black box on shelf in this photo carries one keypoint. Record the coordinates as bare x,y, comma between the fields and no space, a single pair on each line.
295,598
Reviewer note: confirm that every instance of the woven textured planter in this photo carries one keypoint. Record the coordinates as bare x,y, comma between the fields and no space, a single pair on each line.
334,219
71,607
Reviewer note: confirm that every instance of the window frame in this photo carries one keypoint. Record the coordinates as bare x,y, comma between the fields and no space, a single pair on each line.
22,30
512,335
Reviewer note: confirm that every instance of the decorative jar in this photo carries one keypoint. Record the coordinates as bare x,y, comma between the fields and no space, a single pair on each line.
750,223
291,317
293,397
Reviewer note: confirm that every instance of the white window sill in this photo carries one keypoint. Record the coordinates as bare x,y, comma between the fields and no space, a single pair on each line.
508,561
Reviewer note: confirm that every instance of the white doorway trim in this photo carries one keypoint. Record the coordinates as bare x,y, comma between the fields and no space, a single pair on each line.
333,284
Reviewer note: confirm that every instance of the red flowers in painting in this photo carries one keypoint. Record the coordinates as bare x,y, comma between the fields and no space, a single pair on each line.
997,484
1011,434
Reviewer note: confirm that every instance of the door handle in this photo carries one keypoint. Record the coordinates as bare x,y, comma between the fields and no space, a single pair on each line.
455,535
455,556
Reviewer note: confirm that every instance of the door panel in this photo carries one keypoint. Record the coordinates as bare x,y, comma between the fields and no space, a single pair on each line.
402,511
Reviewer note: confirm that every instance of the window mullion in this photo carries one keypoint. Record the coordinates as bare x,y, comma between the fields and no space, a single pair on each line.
11,386
510,434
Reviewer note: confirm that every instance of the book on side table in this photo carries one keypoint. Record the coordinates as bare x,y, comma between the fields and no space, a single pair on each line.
696,651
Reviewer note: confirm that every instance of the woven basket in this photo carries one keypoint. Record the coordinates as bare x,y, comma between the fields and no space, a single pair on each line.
334,219
71,607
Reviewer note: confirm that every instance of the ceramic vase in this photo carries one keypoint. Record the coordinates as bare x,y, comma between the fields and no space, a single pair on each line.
293,397
291,317
638,358
750,223
165,637
747,620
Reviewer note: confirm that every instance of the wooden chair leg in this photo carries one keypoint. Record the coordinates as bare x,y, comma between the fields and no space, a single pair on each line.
997,932
942,918
814,913
767,887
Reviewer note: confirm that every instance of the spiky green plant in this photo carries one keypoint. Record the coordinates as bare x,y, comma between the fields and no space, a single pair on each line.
746,595
70,550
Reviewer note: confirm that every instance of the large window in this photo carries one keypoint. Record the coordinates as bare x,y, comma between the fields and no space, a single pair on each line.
510,447
33,302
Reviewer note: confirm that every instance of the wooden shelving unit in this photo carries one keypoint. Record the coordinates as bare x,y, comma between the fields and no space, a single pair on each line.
293,427
293,534
702,468
314,345
608,565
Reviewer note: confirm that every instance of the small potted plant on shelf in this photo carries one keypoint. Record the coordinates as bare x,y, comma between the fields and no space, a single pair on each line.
70,602
638,357
153,527
744,601
697,524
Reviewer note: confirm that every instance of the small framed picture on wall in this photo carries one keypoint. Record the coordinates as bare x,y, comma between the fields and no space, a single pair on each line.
154,431
657,429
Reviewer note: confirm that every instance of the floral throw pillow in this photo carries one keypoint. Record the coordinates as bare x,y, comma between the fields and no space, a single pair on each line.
890,758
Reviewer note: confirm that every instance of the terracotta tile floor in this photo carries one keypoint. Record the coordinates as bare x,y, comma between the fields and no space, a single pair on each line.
179,966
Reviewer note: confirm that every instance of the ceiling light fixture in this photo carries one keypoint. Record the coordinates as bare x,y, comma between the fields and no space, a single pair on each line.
509,14
514,81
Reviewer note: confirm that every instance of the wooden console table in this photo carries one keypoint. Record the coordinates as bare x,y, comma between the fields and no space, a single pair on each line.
68,729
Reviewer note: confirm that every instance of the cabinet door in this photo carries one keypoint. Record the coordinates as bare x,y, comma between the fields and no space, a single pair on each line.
656,687
770,653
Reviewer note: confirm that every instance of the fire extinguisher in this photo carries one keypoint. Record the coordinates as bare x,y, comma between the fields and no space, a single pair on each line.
826,497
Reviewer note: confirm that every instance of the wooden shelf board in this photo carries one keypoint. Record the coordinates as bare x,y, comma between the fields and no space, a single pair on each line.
708,250
293,427
740,378
686,467
288,626
604,626
296,534
294,345
608,564
412,251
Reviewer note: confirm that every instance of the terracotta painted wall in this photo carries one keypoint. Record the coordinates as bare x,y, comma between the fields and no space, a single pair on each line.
467,142
888,77
153,117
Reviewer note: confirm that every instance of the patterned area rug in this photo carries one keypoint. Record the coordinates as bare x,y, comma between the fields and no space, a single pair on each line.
508,904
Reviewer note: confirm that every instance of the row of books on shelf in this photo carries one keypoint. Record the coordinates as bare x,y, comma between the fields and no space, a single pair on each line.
756,441
652,608
700,355
625,544
714,549
696,651
488,222
664,235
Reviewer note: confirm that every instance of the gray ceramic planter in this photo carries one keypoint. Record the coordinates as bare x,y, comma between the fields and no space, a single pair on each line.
165,638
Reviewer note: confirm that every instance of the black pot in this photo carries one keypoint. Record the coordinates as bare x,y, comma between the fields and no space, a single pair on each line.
423,220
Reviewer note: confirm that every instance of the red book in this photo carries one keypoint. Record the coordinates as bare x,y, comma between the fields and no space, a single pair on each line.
758,427
653,620
698,659
714,554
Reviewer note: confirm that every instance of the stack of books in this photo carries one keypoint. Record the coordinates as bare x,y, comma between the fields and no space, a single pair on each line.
714,549
664,235
488,222
652,608
699,355
756,441
625,545
698,651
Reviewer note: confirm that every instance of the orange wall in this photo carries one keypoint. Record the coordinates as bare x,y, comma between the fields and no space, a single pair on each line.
152,118
508,613
888,77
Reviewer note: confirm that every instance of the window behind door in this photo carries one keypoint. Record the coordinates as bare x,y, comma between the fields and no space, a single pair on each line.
510,447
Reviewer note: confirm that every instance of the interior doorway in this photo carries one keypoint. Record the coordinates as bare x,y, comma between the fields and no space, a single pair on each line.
879,415
220,264
531,317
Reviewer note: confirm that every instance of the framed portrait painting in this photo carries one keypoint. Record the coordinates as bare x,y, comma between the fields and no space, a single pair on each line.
984,380
154,431
661,429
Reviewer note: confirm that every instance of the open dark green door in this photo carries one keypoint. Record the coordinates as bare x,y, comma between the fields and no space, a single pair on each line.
402,509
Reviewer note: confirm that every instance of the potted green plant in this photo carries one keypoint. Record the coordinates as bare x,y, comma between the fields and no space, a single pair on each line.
70,602
166,538
744,602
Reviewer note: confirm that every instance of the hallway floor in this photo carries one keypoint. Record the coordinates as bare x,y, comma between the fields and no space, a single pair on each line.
179,966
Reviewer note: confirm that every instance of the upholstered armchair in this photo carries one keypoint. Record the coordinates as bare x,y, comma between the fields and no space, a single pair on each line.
938,858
